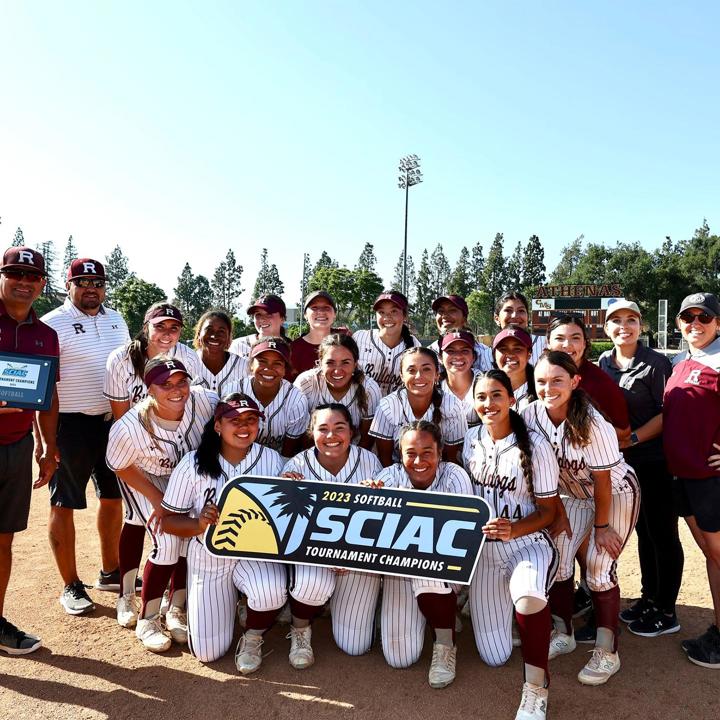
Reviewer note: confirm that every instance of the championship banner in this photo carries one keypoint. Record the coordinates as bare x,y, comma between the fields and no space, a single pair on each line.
411,533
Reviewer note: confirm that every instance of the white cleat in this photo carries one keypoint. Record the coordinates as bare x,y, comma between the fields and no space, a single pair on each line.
533,703
176,624
442,668
248,656
126,610
561,644
600,668
301,652
149,632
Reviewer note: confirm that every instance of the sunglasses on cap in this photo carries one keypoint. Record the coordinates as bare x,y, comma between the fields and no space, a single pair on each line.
689,317
22,275
88,283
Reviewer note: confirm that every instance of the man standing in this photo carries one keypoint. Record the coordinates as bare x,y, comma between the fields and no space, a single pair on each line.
88,332
22,279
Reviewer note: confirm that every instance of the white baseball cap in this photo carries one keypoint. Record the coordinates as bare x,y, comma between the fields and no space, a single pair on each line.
622,304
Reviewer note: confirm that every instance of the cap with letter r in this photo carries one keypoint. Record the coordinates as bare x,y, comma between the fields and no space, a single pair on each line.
23,258
85,267
237,404
162,311
160,368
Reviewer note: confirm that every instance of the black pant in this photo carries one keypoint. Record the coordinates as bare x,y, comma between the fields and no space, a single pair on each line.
659,547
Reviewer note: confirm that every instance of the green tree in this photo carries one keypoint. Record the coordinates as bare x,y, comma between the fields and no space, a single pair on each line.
477,267
69,255
460,282
424,296
514,269
480,312
268,279
533,264
19,239
116,271
397,281
340,283
592,266
494,279
47,250
325,261
226,284
133,298
193,296
305,280
367,285
569,259
439,271
367,259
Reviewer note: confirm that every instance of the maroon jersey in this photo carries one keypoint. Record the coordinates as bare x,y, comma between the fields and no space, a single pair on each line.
605,394
691,413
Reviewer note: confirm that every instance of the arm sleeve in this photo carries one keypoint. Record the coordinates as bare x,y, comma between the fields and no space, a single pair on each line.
382,425
180,492
114,387
454,425
374,395
459,481
387,477
298,415
121,451
603,451
545,468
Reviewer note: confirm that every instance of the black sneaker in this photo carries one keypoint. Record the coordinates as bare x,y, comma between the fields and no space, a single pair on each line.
636,610
583,601
75,600
706,651
111,581
652,624
588,632
706,637
16,642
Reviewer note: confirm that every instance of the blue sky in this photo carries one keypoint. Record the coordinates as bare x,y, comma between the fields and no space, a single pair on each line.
182,129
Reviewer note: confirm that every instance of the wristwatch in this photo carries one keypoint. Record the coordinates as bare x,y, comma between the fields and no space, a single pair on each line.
634,440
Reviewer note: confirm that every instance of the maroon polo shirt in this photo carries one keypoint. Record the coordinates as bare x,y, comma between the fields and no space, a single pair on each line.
605,394
30,337
304,355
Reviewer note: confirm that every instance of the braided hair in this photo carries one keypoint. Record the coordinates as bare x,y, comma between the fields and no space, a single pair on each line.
422,426
517,424
358,376
437,394
334,407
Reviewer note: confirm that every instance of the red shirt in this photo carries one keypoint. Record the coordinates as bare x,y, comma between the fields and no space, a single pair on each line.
691,413
605,394
30,337
304,355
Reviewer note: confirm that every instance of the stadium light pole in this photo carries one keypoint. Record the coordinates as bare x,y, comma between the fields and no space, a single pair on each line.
409,175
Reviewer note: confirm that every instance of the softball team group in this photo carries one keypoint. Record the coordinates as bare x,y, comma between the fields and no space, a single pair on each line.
559,447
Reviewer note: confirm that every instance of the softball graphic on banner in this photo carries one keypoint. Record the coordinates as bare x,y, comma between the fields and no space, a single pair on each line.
399,532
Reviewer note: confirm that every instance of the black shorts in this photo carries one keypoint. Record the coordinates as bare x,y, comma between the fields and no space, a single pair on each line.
15,484
82,442
700,499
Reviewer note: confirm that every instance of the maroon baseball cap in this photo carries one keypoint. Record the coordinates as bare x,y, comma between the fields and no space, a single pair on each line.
85,267
237,404
463,336
319,294
513,331
395,297
160,368
23,258
456,300
163,311
270,304
271,344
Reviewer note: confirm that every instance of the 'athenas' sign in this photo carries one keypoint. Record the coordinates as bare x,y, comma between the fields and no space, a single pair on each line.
399,532
601,291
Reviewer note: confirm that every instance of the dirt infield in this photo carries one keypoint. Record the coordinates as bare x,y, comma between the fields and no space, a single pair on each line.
89,667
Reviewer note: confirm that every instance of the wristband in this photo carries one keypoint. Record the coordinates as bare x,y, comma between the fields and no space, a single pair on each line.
602,527
634,440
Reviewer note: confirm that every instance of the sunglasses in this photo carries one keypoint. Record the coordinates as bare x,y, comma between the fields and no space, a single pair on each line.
88,283
22,275
688,317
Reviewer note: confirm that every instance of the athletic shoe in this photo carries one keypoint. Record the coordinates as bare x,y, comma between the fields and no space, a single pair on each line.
560,644
301,652
655,623
16,642
149,632
75,600
636,610
248,656
706,651
583,601
176,624
126,610
588,632
707,636
442,667
533,703
111,581
600,668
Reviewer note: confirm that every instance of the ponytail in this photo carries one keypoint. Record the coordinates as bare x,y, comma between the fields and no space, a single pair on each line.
207,455
530,380
579,418
358,377
437,397
407,336
137,352
517,424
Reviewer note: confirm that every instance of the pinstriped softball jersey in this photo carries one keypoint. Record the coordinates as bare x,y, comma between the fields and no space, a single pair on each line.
394,411
379,361
314,387
361,465
241,346
234,371
483,361
213,582
450,478
467,402
522,400
121,382
286,415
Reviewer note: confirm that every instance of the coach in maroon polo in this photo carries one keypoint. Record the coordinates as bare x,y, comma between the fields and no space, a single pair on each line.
22,279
